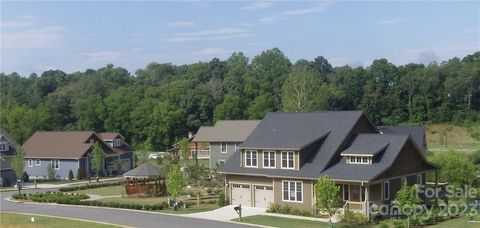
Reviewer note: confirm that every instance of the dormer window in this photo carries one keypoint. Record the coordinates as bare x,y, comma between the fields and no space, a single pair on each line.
359,160
3,146
117,142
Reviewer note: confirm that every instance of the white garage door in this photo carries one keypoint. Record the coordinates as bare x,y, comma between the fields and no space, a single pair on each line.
263,195
241,194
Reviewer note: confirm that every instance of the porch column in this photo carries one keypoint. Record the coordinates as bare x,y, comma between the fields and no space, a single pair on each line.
436,188
367,204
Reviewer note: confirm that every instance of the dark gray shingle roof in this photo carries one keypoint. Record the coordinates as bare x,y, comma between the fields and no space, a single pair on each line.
368,144
143,171
416,132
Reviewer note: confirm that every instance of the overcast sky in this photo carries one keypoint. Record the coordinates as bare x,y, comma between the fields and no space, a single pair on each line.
74,36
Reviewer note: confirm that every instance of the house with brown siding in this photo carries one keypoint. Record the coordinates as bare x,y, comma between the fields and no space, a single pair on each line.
280,161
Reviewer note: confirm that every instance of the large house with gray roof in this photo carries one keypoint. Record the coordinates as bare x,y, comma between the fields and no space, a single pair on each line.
72,150
286,153
7,151
221,140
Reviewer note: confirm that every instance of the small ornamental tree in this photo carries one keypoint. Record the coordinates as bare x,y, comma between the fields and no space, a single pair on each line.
79,174
50,172
407,197
70,175
175,181
18,163
184,150
98,157
327,196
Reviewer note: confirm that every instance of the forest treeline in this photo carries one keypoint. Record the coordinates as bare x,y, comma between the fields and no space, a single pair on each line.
160,104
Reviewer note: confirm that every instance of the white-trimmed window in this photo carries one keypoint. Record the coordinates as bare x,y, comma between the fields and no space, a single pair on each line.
30,162
386,190
3,146
269,159
37,162
359,160
288,161
292,191
419,179
223,147
56,164
236,146
117,142
251,158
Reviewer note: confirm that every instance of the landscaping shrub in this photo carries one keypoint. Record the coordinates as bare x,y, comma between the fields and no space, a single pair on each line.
276,208
70,175
79,174
26,178
221,200
354,217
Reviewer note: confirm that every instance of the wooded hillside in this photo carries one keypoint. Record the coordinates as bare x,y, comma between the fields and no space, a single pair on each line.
158,105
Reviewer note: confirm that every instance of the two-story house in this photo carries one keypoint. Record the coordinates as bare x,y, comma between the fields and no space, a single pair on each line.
64,151
280,161
221,140
124,152
7,151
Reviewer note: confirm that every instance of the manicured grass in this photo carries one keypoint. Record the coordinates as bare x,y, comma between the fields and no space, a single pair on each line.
291,223
10,220
105,191
460,222
193,209
144,201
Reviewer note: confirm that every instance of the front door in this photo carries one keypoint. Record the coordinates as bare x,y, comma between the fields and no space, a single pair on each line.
241,194
263,196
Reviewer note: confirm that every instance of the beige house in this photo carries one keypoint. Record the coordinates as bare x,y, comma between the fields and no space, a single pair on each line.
286,153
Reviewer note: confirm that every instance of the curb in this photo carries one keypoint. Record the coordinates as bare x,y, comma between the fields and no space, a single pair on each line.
9,199
68,218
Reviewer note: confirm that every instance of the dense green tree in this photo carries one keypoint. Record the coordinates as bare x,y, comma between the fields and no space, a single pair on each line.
457,169
260,106
230,109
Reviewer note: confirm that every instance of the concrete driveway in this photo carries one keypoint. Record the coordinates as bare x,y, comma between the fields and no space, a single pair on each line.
226,213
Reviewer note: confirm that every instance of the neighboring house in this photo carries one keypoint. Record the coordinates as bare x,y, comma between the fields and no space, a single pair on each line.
282,158
221,141
7,151
65,150
123,150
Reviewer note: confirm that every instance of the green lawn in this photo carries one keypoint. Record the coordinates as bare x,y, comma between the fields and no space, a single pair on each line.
105,191
144,201
460,222
291,223
193,209
10,220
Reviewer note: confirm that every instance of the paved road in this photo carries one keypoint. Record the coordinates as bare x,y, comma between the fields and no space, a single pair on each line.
125,218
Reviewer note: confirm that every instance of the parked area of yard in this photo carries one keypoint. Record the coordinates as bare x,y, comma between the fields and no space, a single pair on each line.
12,220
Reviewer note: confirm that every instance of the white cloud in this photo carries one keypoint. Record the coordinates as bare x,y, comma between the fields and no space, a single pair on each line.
180,24
30,17
212,34
289,13
47,37
211,51
104,55
391,21
13,24
258,5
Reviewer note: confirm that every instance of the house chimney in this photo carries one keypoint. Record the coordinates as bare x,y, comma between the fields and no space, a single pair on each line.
190,135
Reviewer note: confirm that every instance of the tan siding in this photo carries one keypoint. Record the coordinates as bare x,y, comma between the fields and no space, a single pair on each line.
307,194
